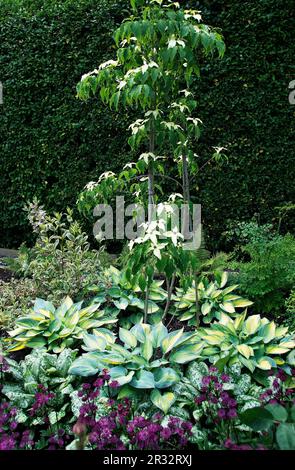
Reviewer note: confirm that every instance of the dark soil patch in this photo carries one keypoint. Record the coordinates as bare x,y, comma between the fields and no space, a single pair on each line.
5,275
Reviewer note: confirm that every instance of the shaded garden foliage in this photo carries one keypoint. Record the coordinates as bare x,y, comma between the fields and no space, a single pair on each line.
52,144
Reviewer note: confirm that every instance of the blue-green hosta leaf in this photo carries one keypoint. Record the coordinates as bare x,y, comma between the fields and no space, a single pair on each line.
143,379
159,332
165,377
86,365
163,401
127,337
43,307
121,375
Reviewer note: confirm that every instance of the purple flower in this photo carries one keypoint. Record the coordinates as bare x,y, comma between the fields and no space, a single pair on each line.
221,413
206,380
114,384
232,413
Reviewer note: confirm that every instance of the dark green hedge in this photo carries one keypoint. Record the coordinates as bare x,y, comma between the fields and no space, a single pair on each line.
51,144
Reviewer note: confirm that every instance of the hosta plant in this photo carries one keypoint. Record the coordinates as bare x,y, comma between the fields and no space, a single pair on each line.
213,298
149,360
254,342
116,295
56,328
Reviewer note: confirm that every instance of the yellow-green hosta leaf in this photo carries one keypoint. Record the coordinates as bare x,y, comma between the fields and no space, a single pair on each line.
183,304
281,331
265,363
228,307
210,290
229,289
163,401
252,324
159,332
224,279
213,339
231,297
276,350
165,377
288,344
170,341
127,337
28,323
216,294
147,348
242,303
186,353
245,350
239,321
268,332
206,308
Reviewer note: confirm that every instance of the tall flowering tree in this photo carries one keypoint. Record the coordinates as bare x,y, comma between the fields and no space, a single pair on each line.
157,59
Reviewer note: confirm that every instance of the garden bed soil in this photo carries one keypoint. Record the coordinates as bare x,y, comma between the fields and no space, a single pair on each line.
5,275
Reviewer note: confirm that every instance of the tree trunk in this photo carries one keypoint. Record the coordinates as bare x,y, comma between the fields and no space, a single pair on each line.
151,190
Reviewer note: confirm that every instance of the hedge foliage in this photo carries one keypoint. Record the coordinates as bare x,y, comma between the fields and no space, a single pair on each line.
52,144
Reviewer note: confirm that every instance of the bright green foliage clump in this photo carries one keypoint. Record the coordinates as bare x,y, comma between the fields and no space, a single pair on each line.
213,297
56,328
270,273
254,342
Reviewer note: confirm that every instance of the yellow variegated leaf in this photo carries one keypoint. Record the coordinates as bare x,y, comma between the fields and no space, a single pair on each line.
252,324
228,307
245,350
276,350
